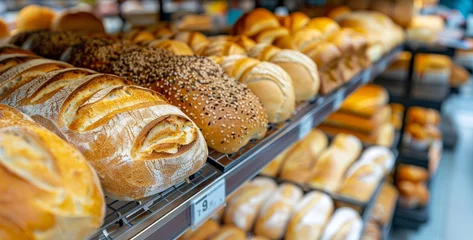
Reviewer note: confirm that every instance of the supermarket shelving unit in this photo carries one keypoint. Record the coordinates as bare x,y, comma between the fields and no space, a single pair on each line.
167,215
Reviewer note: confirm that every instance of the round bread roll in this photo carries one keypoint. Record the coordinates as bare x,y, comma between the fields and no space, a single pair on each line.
325,25
197,41
176,47
255,22
270,83
73,20
270,34
295,21
345,223
301,69
34,17
300,40
224,48
244,41
49,191
3,29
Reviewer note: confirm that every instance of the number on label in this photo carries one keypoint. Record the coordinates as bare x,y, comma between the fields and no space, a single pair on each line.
209,201
306,126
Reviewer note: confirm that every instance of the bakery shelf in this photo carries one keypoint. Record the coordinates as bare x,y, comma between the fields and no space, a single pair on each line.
167,215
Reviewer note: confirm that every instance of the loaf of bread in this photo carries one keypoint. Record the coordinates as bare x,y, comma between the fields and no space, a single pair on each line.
300,40
276,212
270,83
365,101
310,217
325,25
301,160
255,22
229,233
176,47
385,204
413,195
358,123
361,181
203,232
197,41
301,69
294,21
345,224
52,44
223,48
73,20
9,60
412,173
423,116
380,156
243,206
49,191
112,123
34,17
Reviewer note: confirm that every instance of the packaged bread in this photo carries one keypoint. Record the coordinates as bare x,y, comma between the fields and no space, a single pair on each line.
412,194
366,100
295,21
49,191
203,232
301,69
345,223
34,17
423,116
301,159
361,180
243,206
73,20
270,83
433,68
176,47
412,173
228,232
310,217
276,212
111,123
197,41
385,204
254,22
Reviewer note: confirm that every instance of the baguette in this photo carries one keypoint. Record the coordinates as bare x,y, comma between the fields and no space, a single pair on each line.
111,123
310,217
48,188
276,212
345,224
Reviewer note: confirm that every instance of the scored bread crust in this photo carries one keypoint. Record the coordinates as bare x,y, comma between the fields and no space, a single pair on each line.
38,167
255,22
118,128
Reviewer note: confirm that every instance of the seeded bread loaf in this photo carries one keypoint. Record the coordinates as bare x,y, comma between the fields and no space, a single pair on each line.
137,142
48,190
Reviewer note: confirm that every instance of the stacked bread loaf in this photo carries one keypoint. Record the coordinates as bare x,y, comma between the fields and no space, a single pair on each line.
422,128
137,142
227,113
364,114
411,182
48,190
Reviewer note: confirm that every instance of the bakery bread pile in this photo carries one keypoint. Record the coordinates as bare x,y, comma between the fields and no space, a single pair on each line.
261,209
364,114
339,168
137,142
48,190
422,128
411,182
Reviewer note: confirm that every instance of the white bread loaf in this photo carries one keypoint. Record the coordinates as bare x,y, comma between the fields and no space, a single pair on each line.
345,224
361,181
244,205
310,217
48,190
270,83
137,142
276,212
378,155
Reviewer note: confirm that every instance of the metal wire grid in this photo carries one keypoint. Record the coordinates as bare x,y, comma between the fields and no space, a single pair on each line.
121,216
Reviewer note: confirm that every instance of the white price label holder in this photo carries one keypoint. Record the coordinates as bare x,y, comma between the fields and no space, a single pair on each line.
205,205
383,65
306,126
339,97
366,77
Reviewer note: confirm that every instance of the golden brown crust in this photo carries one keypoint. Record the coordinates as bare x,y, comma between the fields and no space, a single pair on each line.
255,22
459,76
229,233
295,21
4,32
8,61
412,173
423,116
325,25
223,48
269,35
71,20
34,17
205,231
365,101
176,47
197,41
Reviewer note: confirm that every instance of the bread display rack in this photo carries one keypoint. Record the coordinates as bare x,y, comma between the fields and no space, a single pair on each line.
169,214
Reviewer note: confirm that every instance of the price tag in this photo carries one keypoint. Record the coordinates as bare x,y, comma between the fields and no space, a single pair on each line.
306,126
367,75
205,205
383,65
339,97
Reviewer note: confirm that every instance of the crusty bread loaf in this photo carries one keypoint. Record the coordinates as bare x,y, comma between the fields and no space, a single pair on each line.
229,233
34,17
276,212
300,161
9,60
197,41
49,191
269,35
345,224
348,143
270,83
255,22
203,232
223,48
12,49
176,47
243,206
295,21
383,208
303,71
74,20
300,40
111,123
310,217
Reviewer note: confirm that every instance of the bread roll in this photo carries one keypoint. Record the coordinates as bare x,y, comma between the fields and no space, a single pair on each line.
255,22
227,113
325,25
423,116
310,217
176,47
270,83
300,40
412,173
276,212
34,17
271,34
295,21
345,224
205,231
49,191
223,48
412,195
197,41
301,69
348,143
243,206
361,181
73,20
229,233
301,159
385,204
111,123
244,41
366,100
